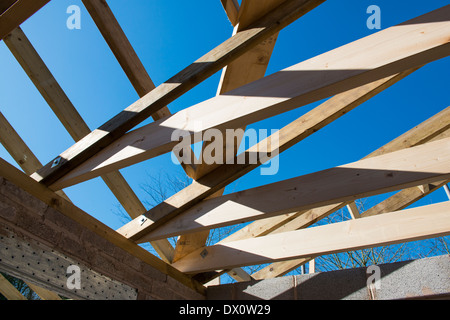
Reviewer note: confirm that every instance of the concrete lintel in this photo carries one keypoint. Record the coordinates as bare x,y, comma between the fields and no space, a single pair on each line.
124,270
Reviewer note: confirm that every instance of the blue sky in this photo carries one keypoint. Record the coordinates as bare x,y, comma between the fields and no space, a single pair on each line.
168,36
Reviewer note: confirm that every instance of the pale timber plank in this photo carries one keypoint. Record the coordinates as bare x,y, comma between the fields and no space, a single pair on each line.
390,228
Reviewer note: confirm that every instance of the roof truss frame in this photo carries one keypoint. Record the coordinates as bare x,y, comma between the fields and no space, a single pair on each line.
208,182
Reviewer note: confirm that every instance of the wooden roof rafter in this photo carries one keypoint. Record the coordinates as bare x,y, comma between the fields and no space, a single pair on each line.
9,291
430,130
411,224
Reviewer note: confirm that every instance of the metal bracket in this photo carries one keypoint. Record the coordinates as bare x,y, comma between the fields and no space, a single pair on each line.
204,253
142,220
56,162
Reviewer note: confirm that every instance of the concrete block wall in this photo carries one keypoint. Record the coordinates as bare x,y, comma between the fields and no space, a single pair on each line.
424,279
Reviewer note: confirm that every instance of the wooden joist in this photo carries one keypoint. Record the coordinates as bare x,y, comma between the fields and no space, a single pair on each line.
353,210
390,228
394,171
403,199
17,148
339,70
54,95
16,13
174,88
252,65
278,269
44,81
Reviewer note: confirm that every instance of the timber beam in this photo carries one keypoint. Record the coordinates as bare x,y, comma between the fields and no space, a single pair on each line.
16,12
390,228
393,171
